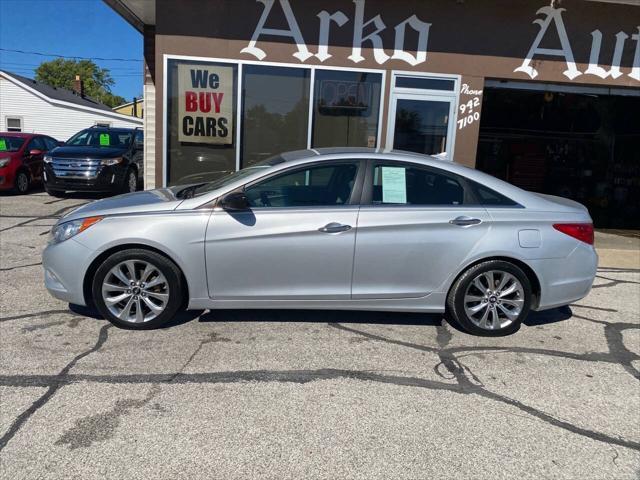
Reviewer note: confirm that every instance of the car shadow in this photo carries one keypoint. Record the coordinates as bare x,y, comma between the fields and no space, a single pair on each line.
327,316
330,316
547,317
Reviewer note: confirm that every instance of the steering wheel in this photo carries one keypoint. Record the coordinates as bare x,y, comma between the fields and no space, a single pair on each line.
264,197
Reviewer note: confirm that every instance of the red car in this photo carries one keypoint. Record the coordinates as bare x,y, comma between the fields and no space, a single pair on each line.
21,159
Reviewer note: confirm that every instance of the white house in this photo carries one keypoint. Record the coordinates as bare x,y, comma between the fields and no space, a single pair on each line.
33,107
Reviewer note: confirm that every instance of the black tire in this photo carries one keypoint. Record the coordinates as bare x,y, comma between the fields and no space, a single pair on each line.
456,299
21,183
54,193
129,185
165,266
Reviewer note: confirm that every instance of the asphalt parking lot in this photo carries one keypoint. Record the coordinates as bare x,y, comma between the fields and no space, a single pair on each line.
276,394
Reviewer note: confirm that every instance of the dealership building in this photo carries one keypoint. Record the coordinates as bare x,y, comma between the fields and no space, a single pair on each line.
544,94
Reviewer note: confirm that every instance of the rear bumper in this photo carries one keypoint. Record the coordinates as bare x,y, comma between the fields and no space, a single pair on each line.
564,281
108,179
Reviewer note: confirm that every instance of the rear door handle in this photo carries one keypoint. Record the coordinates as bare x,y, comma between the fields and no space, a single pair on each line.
464,221
334,227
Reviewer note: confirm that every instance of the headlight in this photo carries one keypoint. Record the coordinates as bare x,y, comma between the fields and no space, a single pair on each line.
47,159
4,161
66,230
112,161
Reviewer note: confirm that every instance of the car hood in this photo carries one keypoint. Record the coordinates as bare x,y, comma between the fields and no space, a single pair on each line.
162,199
87,152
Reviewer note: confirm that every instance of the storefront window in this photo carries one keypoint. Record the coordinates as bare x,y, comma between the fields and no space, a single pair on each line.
201,112
275,111
346,108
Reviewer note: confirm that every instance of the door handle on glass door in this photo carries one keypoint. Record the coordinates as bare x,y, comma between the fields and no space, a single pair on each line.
334,227
464,221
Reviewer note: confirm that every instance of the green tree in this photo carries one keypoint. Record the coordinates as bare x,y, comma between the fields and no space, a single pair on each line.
97,81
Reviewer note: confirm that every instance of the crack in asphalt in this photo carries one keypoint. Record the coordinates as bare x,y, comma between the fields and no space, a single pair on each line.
613,282
53,387
39,314
211,337
457,370
8,269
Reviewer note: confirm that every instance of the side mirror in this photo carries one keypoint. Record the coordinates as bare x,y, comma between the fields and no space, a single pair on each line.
35,152
235,201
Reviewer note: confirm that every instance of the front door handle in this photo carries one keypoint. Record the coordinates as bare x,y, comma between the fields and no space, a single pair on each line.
334,227
464,221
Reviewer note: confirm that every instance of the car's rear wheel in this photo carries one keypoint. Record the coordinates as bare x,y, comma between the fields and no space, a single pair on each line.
21,183
137,289
491,298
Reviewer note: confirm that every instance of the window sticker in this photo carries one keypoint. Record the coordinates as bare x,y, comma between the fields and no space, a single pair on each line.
3,145
394,185
104,140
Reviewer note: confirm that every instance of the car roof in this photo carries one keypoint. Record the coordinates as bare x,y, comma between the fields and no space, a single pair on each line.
22,134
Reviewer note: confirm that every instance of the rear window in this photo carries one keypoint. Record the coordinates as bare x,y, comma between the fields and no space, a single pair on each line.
11,144
490,198
101,138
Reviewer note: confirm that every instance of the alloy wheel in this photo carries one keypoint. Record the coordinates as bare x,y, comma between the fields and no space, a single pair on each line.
494,300
22,182
132,181
135,291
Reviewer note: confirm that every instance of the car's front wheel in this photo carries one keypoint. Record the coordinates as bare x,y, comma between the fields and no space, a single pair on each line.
22,182
130,181
491,298
137,289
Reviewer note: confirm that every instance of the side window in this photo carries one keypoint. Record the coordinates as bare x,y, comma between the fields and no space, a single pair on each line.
491,198
50,143
326,185
409,185
36,144
139,136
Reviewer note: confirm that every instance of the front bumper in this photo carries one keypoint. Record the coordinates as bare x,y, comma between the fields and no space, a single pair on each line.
7,178
107,179
65,265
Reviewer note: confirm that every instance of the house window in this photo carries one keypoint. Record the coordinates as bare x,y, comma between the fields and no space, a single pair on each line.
201,121
14,124
346,108
275,111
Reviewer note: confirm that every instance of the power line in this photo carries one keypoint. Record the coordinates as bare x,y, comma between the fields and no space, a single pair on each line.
131,69
72,57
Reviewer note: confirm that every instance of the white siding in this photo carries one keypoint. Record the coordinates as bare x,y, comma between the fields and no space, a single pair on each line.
41,116
149,136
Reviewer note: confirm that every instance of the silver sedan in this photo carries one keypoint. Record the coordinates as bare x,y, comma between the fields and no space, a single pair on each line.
354,229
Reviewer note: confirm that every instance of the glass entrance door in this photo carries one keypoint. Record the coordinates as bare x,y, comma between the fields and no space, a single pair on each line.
422,124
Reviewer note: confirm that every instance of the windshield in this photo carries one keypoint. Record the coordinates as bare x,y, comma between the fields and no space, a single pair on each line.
10,144
101,138
227,179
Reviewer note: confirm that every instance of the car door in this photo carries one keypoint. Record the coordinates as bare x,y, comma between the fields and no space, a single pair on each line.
296,240
416,225
35,162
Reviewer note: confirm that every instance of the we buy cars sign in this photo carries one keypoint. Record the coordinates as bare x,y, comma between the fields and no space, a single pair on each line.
206,104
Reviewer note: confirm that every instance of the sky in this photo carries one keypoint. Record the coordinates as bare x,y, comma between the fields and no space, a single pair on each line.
83,28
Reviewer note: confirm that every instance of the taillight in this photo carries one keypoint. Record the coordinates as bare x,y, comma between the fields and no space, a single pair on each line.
579,231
